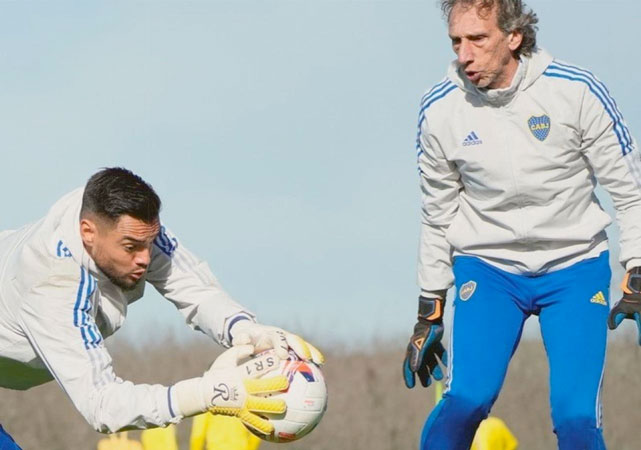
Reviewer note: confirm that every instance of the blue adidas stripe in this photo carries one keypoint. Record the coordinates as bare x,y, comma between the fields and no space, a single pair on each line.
162,236
622,143
166,244
434,90
233,322
78,312
91,327
434,98
597,88
76,306
604,92
91,337
62,251
86,305
435,94
84,312
603,88
171,410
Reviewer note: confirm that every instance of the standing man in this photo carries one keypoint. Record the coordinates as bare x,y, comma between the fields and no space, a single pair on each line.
65,284
510,147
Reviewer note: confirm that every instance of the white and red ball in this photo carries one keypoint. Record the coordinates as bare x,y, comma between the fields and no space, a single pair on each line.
306,400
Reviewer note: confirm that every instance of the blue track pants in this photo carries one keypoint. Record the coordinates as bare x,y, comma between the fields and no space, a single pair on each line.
490,309
6,442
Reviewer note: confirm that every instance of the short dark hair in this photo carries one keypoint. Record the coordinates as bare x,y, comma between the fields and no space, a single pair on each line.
116,191
512,15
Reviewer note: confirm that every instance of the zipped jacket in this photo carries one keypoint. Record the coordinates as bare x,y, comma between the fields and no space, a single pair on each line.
509,175
56,307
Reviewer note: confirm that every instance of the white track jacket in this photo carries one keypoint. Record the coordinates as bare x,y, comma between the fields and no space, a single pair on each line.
509,175
56,307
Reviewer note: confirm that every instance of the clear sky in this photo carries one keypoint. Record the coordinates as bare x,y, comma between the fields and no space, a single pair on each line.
280,135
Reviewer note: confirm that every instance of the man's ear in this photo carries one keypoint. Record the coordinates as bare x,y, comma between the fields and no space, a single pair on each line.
88,231
514,40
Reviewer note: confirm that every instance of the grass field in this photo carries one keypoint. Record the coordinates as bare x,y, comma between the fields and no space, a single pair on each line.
369,407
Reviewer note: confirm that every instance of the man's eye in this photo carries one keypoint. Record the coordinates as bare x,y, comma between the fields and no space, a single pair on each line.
129,248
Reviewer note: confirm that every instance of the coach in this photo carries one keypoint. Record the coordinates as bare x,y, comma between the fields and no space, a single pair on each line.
510,147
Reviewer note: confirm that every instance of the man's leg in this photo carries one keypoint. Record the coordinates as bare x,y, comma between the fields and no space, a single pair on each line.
486,330
6,442
573,324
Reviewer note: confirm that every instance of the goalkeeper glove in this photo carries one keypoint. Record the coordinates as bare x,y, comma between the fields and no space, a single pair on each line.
230,388
264,337
425,344
629,307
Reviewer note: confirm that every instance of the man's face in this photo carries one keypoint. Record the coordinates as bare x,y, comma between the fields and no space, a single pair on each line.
484,52
121,249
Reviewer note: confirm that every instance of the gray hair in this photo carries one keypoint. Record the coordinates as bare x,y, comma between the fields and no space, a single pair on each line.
513,15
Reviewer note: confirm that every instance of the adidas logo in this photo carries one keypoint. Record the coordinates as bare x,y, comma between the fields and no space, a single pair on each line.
599,298
472,139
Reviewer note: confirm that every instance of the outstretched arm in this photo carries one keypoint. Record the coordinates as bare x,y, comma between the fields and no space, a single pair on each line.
57,317
188,282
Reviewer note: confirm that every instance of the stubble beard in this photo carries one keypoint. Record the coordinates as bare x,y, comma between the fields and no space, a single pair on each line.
487,78
121,281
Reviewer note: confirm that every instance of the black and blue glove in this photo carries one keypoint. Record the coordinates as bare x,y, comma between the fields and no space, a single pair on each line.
629,307
425,344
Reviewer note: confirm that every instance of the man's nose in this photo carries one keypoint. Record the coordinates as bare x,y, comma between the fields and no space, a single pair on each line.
464,54
143,258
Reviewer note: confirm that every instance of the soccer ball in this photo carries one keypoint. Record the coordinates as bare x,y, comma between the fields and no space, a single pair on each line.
306,400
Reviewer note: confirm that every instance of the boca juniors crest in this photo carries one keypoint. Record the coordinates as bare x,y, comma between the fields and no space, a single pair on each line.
466,290
539,126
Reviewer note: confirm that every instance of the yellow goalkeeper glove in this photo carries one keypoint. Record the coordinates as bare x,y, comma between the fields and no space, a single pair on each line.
232,388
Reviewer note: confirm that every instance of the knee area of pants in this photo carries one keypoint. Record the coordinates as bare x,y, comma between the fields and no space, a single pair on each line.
575,426
471,408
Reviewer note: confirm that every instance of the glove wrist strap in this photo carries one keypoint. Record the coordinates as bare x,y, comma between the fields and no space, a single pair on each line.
189,397
631,283
430,309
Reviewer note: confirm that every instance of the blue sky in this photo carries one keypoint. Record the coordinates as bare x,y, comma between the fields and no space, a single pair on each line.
280,135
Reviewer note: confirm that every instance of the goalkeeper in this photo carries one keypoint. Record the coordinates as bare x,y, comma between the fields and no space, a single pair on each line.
66,282
510,147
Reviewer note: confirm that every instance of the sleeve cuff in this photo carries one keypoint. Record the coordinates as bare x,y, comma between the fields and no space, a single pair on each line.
229,324
631,263
185,398
434,294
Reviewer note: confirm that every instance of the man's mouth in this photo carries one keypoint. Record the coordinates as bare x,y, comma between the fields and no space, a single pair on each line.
473,76
137,275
